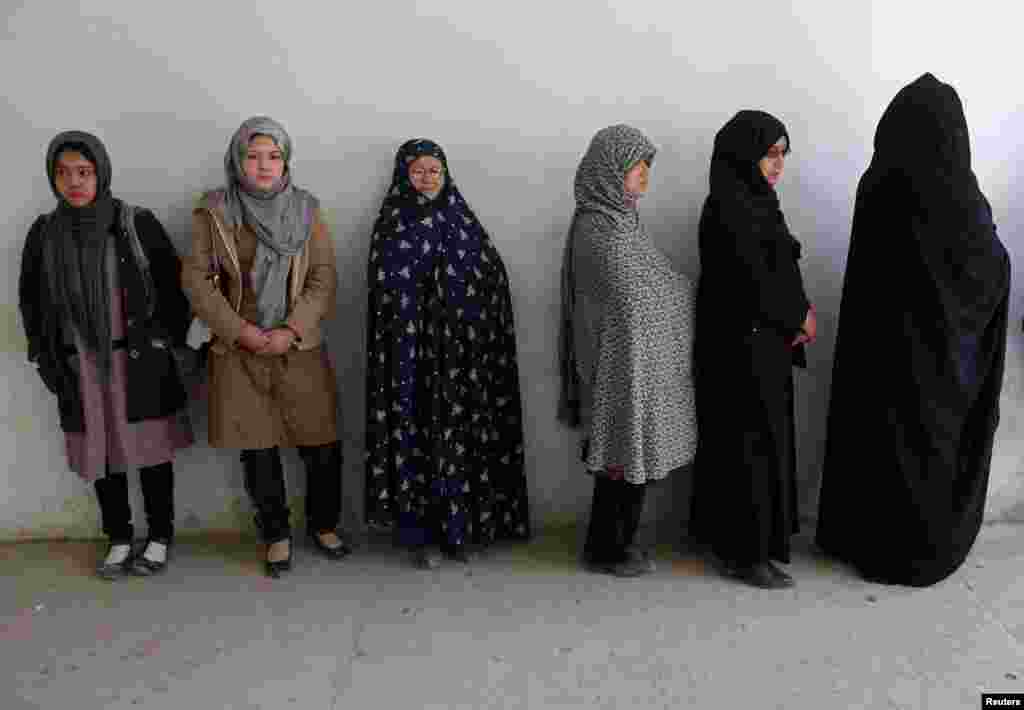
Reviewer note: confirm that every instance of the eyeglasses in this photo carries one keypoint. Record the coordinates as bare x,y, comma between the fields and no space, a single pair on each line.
420,173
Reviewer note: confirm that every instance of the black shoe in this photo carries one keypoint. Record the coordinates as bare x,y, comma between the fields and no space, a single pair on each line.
459,553
599,567
722,566
635,564
650,567
115,570
783,578
331,553
426,557
145,567
760,575
276,569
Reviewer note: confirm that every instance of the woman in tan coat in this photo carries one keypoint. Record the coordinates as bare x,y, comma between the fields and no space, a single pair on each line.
262,277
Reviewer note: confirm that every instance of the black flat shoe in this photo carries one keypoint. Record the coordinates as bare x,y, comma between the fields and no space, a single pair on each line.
784,579
599,567
426,557
274,570
637,562
649,565
146,567
760,575
331,553
116,570
459,553
635,565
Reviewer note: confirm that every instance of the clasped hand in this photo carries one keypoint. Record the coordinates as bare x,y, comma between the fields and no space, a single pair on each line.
275,341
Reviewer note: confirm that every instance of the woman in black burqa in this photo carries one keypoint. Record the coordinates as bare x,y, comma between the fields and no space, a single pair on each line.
920,351
753,319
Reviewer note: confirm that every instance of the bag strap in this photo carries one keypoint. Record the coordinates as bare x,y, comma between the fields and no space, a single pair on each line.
129,230
223,238
214,256
215,259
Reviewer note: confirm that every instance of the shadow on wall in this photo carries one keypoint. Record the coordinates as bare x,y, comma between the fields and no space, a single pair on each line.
821,221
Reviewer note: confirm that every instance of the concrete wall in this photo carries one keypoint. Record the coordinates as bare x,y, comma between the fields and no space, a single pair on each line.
514,92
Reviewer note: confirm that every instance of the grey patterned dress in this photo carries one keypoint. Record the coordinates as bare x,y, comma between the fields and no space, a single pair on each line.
629,319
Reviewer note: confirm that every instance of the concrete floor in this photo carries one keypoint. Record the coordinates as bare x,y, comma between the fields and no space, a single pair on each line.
521,628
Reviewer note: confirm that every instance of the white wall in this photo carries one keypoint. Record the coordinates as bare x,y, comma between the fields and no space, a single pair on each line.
513,91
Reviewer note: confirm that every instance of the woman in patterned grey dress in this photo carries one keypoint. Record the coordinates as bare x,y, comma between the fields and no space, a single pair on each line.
626,347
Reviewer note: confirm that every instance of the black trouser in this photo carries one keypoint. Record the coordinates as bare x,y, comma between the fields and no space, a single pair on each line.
157,497
614,519
264,480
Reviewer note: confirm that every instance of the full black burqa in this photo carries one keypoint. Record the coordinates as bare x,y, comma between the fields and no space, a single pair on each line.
920,351
750,307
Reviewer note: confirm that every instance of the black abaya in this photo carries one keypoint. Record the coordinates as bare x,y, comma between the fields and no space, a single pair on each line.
750,306
919,362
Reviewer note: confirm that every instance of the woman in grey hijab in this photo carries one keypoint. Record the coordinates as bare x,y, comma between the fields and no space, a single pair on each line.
262,277
626,347
102,308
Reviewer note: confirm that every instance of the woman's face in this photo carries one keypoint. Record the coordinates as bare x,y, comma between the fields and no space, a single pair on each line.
264,163
426,174
638,177
75,177
773,162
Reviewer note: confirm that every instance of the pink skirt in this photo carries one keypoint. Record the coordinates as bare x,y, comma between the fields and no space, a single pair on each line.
109,438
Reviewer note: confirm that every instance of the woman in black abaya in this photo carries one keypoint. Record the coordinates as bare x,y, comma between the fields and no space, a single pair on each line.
753,319
919,362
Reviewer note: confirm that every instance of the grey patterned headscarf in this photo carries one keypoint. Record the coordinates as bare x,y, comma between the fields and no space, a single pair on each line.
600,178
599,187
281,218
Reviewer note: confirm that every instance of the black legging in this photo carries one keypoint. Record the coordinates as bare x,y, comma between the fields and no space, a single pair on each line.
157,497
614,519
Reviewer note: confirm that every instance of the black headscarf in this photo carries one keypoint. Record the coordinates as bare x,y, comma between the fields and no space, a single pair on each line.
75,248
741,223
737,186
922,162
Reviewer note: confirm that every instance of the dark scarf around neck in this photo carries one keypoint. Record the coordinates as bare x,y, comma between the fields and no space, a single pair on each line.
75,250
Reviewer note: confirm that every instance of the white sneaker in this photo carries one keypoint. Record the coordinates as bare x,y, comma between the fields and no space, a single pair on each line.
152,560
155,552
117,555
117,561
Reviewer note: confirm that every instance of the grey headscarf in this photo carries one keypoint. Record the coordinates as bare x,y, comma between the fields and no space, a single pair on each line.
599,187
282,218
600,178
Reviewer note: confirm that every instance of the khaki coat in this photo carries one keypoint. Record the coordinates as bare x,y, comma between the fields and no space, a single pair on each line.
262,401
